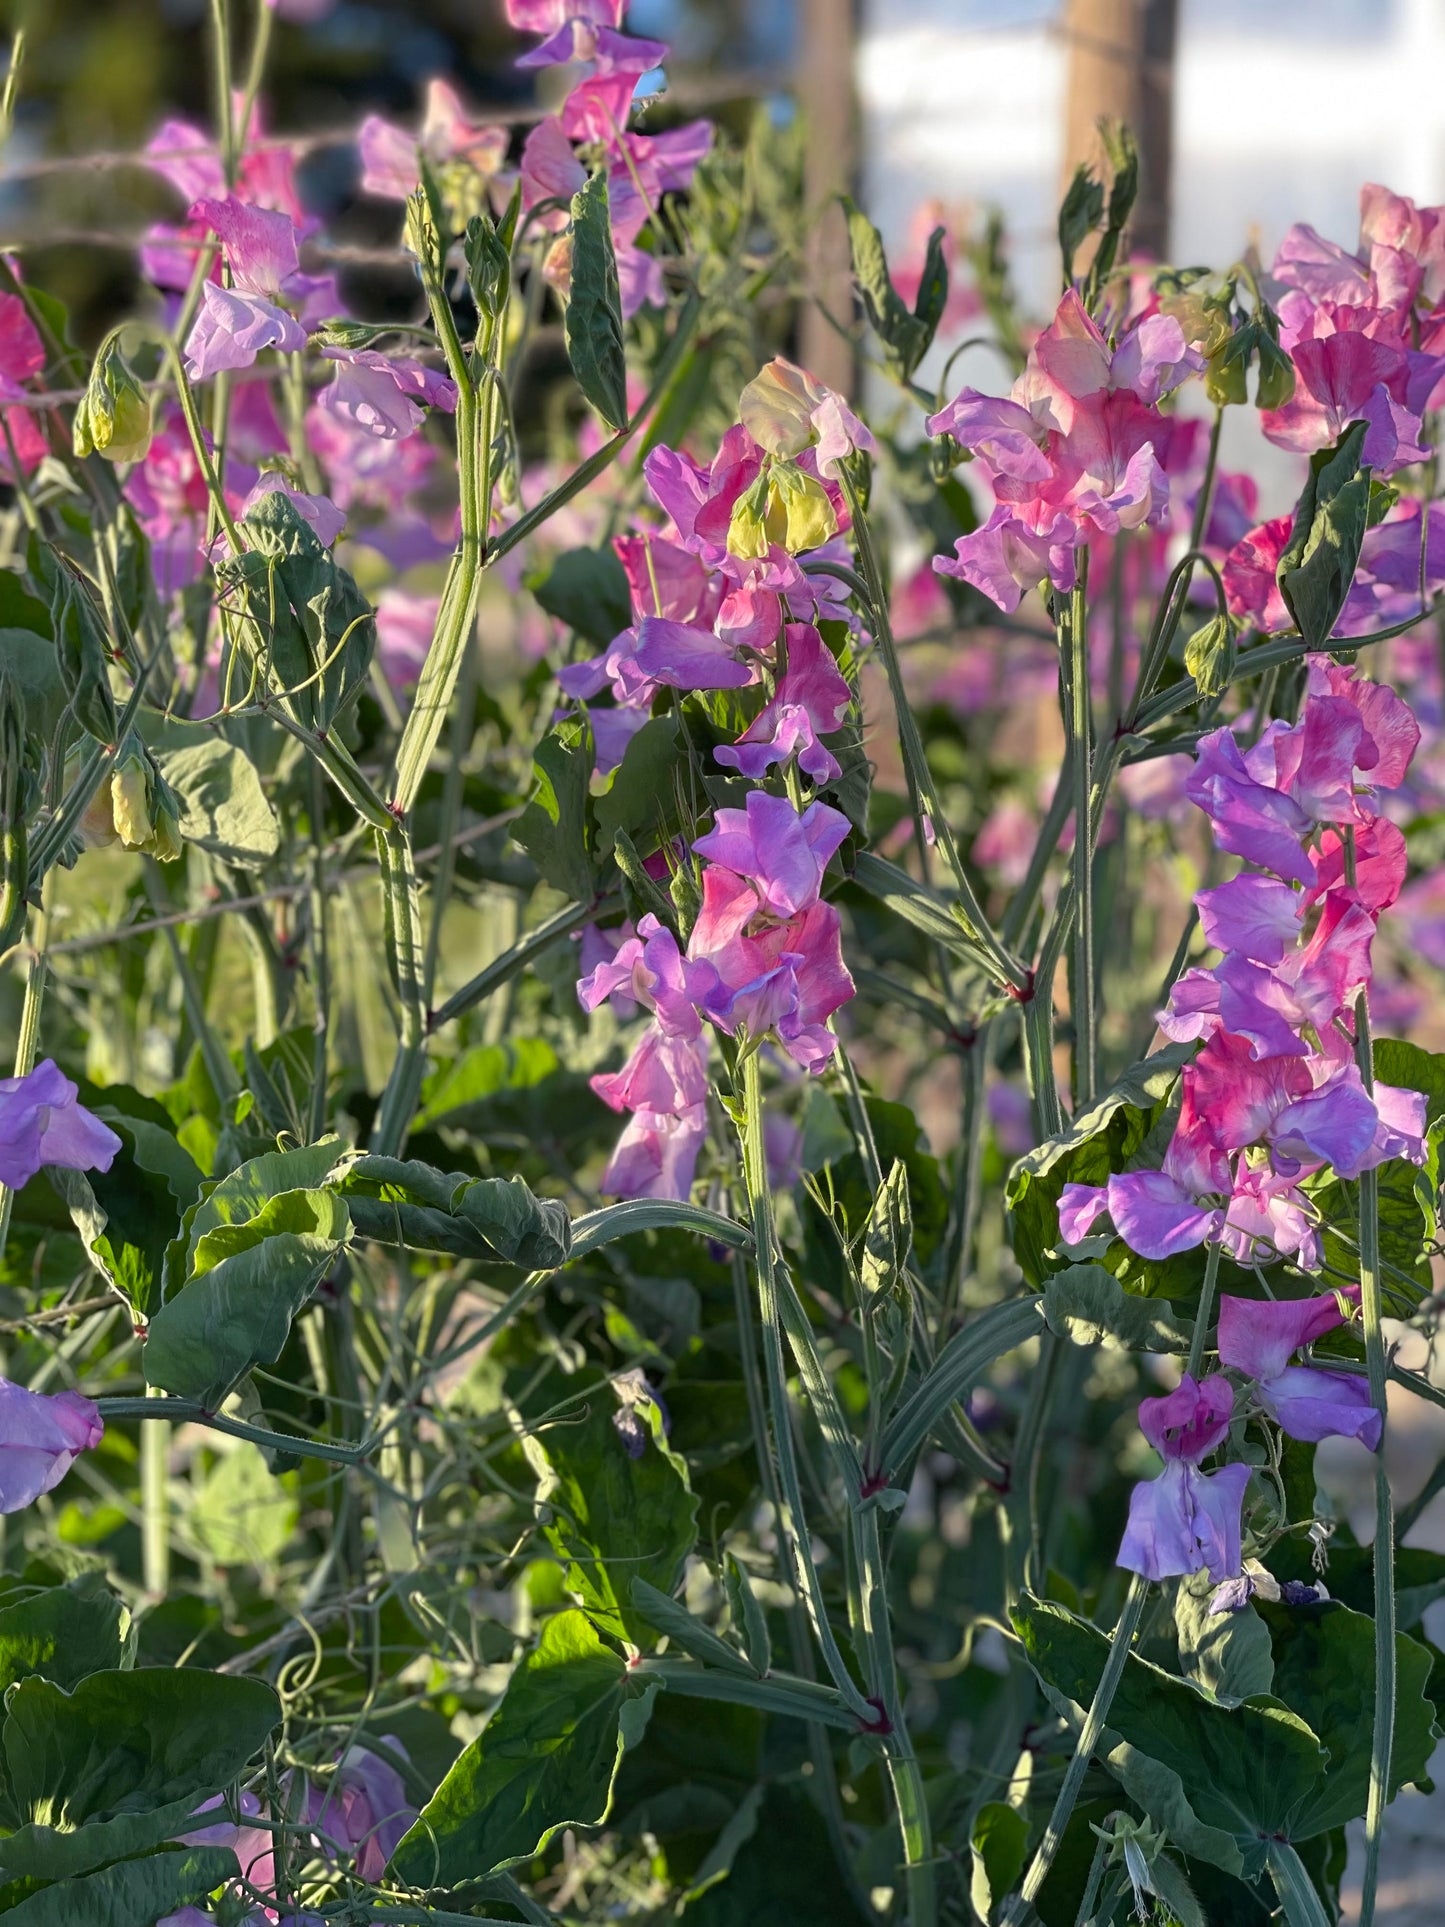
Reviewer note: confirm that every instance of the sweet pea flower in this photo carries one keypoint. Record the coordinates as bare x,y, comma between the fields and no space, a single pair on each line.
405,625
234,324
390,154
786,410
1260,1336
385,394
1256,1582
41,1436
812,697
363,1808
22,358
1185,1519
656,1156
41,1123
782,854
319,510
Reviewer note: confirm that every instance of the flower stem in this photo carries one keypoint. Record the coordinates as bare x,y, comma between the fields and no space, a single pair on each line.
1205,1311
1079,724
155,1452
791,1527
1090,1734
1383,1737
28,1042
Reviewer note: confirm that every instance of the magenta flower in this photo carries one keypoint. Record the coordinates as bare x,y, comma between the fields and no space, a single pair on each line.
1186,1519
41,1436
683,655
41,1123
1074,451
1343,378
580,39
1258,916
667,1071
782,854
22,358
385,394
1259,1337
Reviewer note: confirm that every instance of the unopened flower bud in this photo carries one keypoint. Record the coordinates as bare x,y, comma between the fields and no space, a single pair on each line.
145,808
113,417
810,518
1276,374
747,527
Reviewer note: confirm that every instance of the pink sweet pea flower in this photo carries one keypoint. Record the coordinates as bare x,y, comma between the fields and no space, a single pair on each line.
1259,1337
389,154
785,977
782,854
385,394
41,1436
1250,571
1342,378
1259,916
656,1156
22,357
614,53
42,1124
1185,1519
1007,557
236,323
682,655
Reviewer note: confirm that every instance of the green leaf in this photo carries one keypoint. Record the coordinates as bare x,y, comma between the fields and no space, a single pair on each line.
555,827
750,1621
546,1759
128,1742
781,1870
249,1280
1245,1769
59,1853
612,1518
905,336
954,1373
1299,1902
1097,1143
999,1845
642,798
1318,564
80,640
888,1239
1324,1667
398,1201
63,1633
1087,1304
224,807
30,661
1228,1654
671,1617
242,1514
589,591
134,1893
128,1215
594,306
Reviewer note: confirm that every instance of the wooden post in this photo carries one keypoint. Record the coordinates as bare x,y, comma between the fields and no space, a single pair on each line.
1121,67
827,102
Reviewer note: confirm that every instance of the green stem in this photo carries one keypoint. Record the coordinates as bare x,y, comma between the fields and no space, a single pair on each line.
190,1411
520,956
1079,726
155,1449
408,950
225,106
1090,1734
27,1044
1205,1311
1382,1740
320,956
792,1522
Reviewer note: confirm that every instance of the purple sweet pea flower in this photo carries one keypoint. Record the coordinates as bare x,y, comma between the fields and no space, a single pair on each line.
385,394
656,1156
363,1808
41,1436
233,327
811,698
1186,1519
41,1123
783,855
682,655
1259,916
1259,1337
